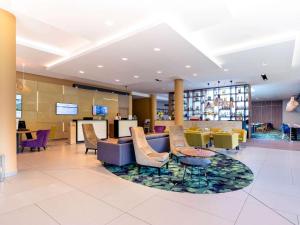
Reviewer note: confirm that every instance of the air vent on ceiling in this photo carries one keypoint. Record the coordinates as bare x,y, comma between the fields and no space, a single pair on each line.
264,76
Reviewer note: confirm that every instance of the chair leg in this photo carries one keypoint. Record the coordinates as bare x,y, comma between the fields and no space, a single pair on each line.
95,151
237,147
86,151
158,171
22,150
31,149
167,165
39,148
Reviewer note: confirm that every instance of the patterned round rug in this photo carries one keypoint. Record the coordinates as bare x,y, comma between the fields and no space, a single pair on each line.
224,174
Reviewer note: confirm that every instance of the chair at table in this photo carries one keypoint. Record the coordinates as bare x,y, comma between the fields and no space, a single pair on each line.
144,154
34,143
215,130
262,129
226,140
197,139
147,126
46,138
90,137
159,129
242,134
177,140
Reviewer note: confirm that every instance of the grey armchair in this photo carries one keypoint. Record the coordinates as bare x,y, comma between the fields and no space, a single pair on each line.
144,154
90,137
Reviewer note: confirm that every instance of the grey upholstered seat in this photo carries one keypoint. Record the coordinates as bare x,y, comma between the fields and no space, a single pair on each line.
144,154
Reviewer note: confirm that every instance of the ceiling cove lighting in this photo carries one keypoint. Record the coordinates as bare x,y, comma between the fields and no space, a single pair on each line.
41,47
159,72
187,66
289,36
156,49
81,71
136,76
100,66
117,80
124,59
144,25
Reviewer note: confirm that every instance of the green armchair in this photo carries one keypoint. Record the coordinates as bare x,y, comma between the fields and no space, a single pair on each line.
226,140
197,139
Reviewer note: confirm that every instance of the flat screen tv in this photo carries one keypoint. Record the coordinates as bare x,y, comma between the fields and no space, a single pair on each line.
66,109
18,106
99,110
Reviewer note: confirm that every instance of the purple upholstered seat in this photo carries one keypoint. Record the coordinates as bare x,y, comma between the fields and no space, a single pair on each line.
40,141
159,129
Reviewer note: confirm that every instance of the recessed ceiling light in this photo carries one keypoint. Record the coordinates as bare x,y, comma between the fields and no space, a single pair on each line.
124,59
81,71
195,74
156,49
117,80
100,66
136,76
159,72
187,66
264,64
226,70
109,23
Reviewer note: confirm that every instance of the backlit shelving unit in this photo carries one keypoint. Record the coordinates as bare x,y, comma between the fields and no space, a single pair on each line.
196,100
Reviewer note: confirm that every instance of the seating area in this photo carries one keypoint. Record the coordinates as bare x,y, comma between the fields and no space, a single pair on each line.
139,112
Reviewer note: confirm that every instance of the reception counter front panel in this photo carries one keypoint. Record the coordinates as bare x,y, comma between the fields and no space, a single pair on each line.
122,127
100,127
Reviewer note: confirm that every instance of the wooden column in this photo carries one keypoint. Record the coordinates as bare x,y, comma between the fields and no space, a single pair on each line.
178,97
130,104
153,110
8,91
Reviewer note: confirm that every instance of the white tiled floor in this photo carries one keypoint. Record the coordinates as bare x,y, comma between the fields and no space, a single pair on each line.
64,186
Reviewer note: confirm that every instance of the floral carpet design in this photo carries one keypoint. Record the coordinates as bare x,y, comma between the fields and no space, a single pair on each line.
224,174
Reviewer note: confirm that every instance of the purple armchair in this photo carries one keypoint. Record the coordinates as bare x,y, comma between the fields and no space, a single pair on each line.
159,129
40,141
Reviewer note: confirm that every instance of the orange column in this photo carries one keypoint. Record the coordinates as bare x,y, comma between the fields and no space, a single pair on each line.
153,110
178,100
8,91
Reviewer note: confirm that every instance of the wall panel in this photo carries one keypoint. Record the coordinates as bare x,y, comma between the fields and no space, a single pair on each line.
38,110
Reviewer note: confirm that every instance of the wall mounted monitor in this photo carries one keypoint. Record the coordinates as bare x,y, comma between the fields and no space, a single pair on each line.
99,110
66,109
18,106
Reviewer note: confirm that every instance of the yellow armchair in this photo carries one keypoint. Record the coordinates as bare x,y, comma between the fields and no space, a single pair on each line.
197,139
215,129
242,134
226,140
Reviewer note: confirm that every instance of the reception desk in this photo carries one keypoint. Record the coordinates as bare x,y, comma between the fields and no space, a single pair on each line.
122,127
76,132
225,125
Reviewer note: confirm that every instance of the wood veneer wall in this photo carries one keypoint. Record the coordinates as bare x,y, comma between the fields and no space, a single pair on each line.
267,112
141,108
38,104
